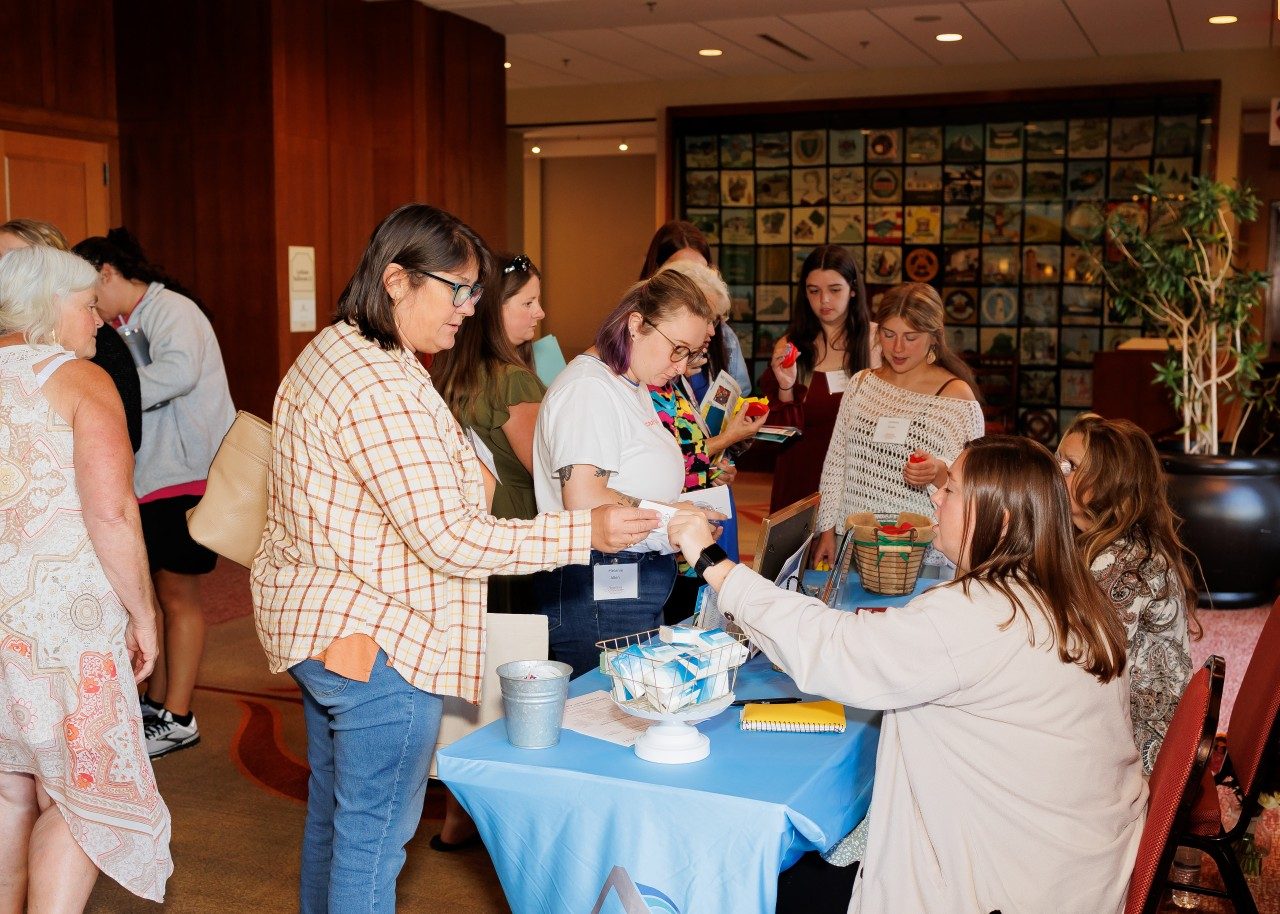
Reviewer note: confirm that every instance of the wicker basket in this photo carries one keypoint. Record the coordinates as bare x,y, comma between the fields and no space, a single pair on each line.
889,563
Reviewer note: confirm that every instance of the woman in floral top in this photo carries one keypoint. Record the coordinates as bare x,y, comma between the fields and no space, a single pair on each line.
706,458
1128,534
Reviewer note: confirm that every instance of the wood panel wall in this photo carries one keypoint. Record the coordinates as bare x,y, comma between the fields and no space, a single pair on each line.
57,73
250,126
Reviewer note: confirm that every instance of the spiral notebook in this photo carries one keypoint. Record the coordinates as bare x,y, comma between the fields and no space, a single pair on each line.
803,717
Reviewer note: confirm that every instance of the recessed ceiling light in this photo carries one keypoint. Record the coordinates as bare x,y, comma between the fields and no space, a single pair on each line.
623,147
710,52
506,65
535,149
1222,20
948,36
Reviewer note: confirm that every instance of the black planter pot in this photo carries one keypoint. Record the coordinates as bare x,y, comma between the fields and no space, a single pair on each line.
1230,508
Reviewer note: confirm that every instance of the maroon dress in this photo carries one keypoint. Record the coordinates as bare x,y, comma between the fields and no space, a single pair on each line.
813,411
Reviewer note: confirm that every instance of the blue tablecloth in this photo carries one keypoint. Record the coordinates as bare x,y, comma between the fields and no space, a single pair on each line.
587,826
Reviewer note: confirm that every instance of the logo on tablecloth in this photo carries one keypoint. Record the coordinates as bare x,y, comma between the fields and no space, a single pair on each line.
633,897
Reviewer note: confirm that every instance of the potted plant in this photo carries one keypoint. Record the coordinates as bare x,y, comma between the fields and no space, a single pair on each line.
1176,269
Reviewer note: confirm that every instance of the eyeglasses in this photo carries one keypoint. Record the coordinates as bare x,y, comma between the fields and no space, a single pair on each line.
462,292
519,264
679,352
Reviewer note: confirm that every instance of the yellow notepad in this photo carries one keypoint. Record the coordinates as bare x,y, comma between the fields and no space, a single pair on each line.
802,717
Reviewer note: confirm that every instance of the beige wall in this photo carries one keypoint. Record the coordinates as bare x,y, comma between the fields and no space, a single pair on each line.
596,221
1249,79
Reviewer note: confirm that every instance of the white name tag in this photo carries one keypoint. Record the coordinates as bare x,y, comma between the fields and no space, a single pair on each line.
617,582
837,381
892,429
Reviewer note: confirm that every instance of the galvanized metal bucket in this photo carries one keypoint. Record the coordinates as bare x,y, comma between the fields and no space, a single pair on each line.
533,694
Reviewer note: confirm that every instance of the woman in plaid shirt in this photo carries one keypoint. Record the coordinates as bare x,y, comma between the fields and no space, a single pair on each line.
369,586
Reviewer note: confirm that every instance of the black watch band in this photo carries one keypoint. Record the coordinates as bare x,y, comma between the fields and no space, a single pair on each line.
712,555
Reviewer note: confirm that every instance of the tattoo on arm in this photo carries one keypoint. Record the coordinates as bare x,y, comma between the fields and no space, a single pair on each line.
601,474
626,500
564,473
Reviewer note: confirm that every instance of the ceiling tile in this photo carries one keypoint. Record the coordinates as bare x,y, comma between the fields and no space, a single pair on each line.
978,45
685,40
748,34
1039,30
1117,27
581,64
525,73
611,44
1253,30
861,38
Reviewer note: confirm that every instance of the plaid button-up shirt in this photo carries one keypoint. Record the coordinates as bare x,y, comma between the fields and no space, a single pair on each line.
376,521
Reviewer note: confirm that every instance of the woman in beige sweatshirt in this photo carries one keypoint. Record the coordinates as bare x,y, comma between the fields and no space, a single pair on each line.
1006,775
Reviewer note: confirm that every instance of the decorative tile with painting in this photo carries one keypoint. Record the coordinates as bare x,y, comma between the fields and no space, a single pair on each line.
962,224
773,303
1077,388
1078,344
1087,180
773,188
700,152
1004,142
1004,183
741,303
1045,139
809,225
701,188
1042,222
1087,137
773,226
884,145
1038,388
707,221
1132,137
847,184
808,147
737,188
1044,180
736,150
999,306
884,265
884,224
1040,306
922,184
1038,345
848,225
847,147
738,227
960,265
960,305
884,184
1041,263
1081,305
773,150
962,183
964,143
1001,223
920,265
922,224
998,342
809,186
924,144
999,265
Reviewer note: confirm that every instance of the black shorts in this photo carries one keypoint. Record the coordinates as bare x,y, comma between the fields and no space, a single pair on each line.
169,544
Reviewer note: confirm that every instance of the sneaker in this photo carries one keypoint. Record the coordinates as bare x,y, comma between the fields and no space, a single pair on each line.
150,710
165,735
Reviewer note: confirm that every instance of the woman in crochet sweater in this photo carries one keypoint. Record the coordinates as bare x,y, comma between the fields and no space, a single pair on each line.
902,424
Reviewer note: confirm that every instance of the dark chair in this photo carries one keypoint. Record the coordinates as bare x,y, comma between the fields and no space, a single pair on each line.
1253,750
1188,744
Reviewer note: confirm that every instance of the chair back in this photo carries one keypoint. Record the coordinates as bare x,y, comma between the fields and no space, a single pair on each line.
1188,743
1252,737
508,636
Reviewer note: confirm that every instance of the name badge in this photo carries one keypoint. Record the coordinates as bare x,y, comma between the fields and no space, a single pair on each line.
892,430
616,582
837,381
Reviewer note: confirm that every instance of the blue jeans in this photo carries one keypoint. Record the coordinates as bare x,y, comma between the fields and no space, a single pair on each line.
577,620
369,745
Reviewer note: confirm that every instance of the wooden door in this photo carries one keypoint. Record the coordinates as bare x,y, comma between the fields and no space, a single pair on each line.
56,180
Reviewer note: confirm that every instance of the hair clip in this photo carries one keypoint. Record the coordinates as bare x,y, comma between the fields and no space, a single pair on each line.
519,264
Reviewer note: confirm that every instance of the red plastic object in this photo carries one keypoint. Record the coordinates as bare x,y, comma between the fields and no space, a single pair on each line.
789,356
897,529
756,410
917,458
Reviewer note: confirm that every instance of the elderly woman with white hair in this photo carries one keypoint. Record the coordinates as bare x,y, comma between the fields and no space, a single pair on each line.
77,610
706,458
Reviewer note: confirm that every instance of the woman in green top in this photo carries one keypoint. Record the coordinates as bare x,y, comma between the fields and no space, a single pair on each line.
488,380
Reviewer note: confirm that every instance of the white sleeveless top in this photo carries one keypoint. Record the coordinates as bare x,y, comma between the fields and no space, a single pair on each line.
862,474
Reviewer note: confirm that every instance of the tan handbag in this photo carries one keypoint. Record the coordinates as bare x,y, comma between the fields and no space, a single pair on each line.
232,515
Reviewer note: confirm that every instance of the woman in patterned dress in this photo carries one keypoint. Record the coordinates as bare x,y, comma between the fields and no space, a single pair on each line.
77,612
1128,534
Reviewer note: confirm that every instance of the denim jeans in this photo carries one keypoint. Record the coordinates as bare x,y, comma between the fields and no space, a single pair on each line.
369,745
577,620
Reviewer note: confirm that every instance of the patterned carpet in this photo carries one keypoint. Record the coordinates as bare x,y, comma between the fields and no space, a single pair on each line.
238,800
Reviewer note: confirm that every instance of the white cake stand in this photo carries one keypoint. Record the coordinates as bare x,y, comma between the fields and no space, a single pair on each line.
673,740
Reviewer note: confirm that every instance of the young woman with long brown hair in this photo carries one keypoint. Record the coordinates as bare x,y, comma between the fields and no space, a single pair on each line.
900,424
1005,774
1128,536
832,331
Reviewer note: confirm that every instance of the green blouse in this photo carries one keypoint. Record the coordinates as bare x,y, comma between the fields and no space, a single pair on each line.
514,497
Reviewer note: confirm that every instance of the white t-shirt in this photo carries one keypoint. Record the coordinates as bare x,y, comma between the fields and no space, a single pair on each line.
592,416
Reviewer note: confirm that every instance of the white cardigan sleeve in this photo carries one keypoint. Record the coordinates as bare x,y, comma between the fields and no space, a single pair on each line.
879,661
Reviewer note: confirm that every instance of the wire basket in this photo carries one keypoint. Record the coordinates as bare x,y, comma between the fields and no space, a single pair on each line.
653,677
889,563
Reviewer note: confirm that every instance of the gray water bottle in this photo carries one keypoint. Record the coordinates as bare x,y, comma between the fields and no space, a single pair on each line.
138,346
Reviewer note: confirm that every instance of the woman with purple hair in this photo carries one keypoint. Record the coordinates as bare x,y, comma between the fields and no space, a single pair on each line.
599,441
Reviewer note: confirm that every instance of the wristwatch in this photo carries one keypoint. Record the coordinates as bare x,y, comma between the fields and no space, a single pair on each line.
712,555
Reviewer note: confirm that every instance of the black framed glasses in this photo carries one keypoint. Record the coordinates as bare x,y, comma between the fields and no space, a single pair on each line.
462,292
518,264
680,352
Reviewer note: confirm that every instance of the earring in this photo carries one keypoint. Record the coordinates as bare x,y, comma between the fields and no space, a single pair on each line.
932,356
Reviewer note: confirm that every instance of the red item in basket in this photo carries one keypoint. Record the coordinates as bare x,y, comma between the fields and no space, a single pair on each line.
789,356
897,529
